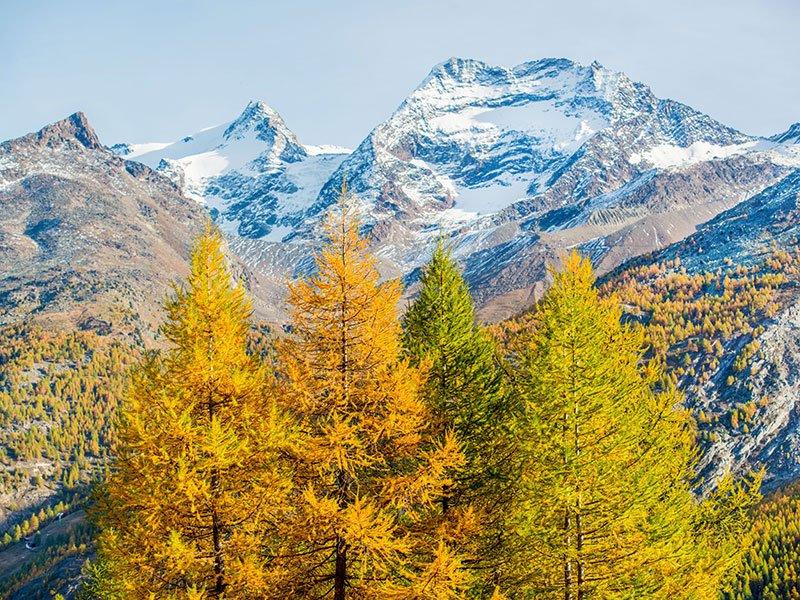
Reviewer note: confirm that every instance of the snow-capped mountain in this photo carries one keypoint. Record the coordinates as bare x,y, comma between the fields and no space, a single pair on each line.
473,139
513,165
516,164
253,172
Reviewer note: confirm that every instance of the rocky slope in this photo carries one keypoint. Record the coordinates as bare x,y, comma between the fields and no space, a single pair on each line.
88,238
512,165
748,235
749,397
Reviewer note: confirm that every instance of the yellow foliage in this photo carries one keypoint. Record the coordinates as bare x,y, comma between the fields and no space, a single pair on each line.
197,482
370,467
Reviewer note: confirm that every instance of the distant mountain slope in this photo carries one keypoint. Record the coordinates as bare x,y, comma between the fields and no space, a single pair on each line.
790,136
748,233
512,165
87,238
733,290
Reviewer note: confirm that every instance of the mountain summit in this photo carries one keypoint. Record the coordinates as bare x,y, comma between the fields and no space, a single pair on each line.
72,131
249,171
513,164
87,239
477,138
267,125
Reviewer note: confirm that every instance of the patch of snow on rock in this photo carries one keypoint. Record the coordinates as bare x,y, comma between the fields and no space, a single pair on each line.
668,156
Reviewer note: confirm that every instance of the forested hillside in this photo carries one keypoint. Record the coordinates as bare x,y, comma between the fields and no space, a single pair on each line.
771,568
716,329
58,394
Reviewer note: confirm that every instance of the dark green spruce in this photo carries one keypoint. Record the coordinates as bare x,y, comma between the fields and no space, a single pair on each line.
466,394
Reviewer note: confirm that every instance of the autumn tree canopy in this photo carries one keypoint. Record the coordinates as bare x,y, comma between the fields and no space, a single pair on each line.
190,506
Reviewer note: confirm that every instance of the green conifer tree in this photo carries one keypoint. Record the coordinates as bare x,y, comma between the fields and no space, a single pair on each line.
607,510
465,394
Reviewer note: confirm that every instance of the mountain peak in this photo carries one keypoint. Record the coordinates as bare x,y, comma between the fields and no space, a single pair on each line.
462,70
592,79
791,135
258,108
263,121
545,64
259,116
75,128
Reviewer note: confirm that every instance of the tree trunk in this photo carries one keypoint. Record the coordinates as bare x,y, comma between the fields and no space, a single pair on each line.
342,483
579,565
219,560
340,576
579,546
216,525
567,559
567,521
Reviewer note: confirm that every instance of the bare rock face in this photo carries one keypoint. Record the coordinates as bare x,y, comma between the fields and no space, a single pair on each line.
747,235
87,239
773,439
70,132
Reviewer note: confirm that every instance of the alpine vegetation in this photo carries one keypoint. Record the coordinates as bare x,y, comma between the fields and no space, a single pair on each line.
361,454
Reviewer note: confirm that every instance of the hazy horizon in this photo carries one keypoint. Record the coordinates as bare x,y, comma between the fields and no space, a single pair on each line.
148,73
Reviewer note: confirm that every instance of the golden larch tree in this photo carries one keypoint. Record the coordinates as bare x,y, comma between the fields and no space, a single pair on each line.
189,508
369,472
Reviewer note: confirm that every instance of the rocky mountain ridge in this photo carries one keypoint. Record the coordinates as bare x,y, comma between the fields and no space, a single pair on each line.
790,136
88,239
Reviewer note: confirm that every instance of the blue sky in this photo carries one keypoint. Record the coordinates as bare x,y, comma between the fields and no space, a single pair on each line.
154,71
